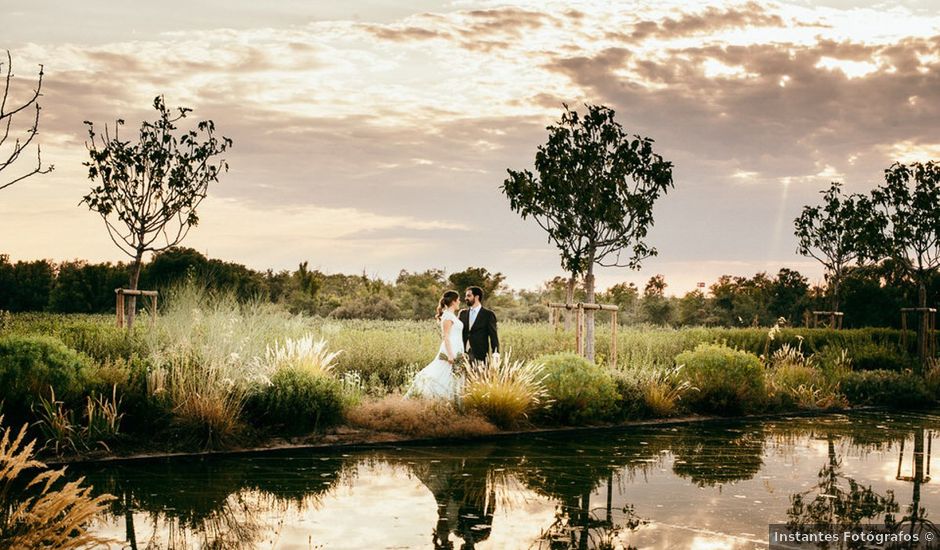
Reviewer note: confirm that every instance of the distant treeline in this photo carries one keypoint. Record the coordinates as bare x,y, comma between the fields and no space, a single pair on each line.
871,296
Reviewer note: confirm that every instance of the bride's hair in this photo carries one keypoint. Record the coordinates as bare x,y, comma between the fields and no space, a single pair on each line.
447,299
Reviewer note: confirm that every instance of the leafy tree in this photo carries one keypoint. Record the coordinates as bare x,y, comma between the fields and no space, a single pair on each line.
594,195
81,287
693,309
148,191
625,296
477,276
656,306
9,154
26,284
788,295
419,293
908,218
835,233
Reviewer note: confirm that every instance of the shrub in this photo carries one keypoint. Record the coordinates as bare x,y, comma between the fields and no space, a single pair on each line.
503,390
581,392
882,387
31,365
722,380
877,357
793,385
418,418
631,396
298,400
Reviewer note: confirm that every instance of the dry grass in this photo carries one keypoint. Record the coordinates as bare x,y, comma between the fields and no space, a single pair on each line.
36,510
505,391
417,418
662,391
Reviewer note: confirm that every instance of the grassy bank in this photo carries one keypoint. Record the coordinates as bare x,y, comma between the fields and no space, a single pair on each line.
213,372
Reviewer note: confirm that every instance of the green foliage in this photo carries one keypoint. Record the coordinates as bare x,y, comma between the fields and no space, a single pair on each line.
31,365
477,276
580,391
298,400
593,179
882,387
836,233
872,356
25,286
907,225
723,380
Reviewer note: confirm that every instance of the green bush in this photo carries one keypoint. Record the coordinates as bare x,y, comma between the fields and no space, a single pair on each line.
298,400
878,357
882,387
581,392
631,400
30,365
723,380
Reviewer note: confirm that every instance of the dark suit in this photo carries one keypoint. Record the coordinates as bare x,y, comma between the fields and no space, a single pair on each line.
482,336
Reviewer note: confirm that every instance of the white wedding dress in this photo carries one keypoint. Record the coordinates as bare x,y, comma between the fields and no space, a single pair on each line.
437,380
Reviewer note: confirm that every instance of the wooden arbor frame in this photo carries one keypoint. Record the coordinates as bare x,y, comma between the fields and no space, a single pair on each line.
580,307
834,319
119,308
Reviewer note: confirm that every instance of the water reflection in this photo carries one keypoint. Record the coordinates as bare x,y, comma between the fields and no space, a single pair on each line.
706,485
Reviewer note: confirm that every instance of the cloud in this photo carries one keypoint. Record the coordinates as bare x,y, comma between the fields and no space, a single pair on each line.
711,20
416,119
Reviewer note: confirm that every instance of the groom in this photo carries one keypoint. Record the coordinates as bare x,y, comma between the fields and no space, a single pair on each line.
479,326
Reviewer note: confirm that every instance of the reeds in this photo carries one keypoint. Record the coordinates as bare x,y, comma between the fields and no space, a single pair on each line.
37,510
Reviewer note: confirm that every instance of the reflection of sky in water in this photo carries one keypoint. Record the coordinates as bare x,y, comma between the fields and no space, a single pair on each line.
694,486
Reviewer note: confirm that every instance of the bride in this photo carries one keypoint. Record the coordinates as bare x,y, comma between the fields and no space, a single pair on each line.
437,380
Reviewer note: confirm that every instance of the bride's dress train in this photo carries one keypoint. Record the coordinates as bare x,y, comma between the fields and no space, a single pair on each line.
437,380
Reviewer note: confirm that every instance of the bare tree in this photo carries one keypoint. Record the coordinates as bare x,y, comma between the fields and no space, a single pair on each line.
149,190
10,153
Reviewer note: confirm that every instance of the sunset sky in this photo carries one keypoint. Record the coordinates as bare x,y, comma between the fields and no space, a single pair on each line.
370,136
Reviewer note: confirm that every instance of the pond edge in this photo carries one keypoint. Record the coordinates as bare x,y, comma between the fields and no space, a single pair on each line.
374,440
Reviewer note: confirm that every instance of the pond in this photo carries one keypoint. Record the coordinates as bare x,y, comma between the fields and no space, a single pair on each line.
715,484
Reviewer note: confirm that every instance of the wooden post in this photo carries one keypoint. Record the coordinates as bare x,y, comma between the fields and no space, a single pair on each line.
119,307
579,330
614,321
904,329
153,309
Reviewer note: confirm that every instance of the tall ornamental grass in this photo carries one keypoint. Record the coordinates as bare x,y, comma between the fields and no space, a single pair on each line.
38,508
203,351
503,390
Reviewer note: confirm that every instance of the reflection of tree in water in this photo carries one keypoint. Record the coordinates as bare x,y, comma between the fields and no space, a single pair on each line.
570,473
710,456
837,507
915,521
212,503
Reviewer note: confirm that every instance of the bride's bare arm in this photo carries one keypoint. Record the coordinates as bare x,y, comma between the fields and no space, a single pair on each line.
448,326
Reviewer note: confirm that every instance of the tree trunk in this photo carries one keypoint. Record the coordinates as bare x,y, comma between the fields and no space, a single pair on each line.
589,314
836,284
569,298
922,328
132,284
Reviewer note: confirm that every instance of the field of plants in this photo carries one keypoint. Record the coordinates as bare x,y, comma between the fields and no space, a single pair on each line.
216,372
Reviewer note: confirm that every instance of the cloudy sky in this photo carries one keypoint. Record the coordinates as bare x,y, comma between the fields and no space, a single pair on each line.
373,136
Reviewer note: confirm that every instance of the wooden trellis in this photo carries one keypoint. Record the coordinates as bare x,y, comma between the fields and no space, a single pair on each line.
580,307
119,308
834,319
